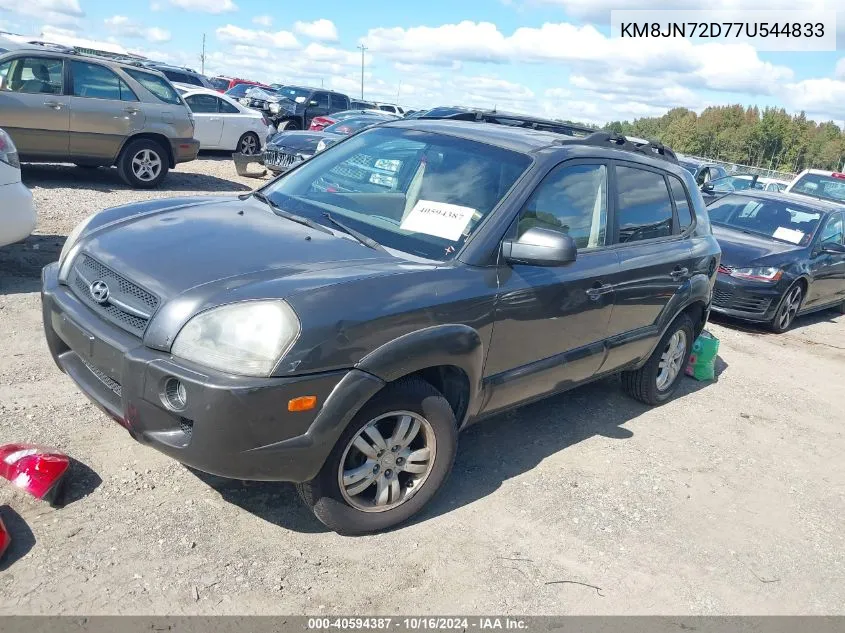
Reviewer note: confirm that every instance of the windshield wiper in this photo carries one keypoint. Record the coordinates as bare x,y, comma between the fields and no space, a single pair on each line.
366,241
290,216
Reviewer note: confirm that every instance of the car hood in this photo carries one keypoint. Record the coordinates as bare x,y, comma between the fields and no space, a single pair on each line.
741,249
296,140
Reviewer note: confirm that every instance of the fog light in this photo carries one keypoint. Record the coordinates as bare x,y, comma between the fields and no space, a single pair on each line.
174,395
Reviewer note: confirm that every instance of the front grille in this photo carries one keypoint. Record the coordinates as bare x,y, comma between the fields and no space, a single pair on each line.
128,306
112,384
280,159
744,302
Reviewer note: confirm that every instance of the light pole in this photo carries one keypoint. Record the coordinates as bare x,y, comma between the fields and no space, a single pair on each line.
363,48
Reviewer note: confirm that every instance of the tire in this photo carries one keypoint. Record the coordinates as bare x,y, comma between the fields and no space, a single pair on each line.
354,512
286,126
649,384
249,144
143,150
788,309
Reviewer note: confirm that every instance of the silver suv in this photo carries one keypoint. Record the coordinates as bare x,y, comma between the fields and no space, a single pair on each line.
66,107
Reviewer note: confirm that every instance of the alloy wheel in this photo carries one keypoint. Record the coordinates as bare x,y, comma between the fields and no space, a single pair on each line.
790,307
671,360
146,165
249,145
387,461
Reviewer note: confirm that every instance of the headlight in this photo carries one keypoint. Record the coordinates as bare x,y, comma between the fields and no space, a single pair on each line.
241,338
321,146
275,108
70,247
769,273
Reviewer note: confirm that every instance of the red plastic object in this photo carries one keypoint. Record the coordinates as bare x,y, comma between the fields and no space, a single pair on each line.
39,471
838,175
318,123
5,538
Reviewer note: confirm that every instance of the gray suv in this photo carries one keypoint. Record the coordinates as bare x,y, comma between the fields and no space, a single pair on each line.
65,107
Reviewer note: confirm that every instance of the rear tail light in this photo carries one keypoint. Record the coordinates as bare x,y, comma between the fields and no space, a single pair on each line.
319,122
5,538
838,175
39,471
8,151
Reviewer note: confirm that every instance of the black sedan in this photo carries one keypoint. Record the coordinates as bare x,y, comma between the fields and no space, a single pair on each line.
782,255
286,149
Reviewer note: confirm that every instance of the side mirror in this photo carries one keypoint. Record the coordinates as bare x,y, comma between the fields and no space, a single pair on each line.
707,187
833,248
312,104
540,247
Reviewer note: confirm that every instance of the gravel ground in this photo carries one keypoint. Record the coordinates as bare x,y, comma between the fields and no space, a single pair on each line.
728,500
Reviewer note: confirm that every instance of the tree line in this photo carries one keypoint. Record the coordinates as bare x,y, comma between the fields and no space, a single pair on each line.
768,138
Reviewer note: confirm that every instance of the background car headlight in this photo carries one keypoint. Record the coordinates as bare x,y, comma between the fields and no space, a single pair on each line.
766,273
241,338
275,108
70,247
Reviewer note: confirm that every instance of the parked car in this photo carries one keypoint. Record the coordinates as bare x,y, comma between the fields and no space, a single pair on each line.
714,189
782,255
65,107
222,123
702,171
818,183
320,122
177,74
224,84
391,107
17,210
297,106
287,149
341,337
771,184
359,104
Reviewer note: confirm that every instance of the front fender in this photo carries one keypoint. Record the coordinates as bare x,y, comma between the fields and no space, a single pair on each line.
440,345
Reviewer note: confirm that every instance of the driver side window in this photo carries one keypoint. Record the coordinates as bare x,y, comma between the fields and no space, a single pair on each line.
834,231
572,199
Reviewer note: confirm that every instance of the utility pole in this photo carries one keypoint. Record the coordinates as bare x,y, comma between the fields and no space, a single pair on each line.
397,91
202,56
363,48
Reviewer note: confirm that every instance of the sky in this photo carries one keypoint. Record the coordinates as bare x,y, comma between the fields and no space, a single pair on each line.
547,57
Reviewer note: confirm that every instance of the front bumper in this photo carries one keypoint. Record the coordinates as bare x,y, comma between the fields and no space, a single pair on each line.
17,213
280,160
232,426
184,149
752,301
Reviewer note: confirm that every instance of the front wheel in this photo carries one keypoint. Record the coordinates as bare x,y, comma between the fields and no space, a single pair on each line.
657,381
249,144
789,306
388,463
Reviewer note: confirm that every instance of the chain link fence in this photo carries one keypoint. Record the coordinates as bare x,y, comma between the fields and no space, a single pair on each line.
737,168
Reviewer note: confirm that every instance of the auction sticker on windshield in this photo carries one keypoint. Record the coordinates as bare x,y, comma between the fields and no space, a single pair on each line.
788,235
439,219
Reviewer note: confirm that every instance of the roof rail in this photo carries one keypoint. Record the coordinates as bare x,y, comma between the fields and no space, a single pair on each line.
509,119
649,148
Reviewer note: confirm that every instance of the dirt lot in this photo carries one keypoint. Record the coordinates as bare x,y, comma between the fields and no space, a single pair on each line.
730,499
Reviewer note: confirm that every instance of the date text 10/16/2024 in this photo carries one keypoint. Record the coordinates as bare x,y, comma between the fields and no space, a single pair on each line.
418,624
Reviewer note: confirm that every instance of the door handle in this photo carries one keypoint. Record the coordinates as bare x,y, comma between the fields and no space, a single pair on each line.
132,110
599,289
54,104
215,118
679,273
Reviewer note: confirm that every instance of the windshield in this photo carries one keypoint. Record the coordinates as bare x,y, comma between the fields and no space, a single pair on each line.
353,124
776,219
219,83
295,94
412,191
733,183
820,186
239,90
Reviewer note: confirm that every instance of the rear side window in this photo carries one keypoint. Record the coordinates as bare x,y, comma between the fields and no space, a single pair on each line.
679,193
93,81
227,108
33,75
340,102
202,103
158,86
322,99
644,209
573,200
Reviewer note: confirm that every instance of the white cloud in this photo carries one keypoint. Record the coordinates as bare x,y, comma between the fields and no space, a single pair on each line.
716,66
123,26
50,11
232,34
821,99
323,30
599,10
263,20
205,6
70,37
839,73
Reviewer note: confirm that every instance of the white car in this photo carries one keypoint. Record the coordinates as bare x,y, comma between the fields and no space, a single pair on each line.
391,107
17,211
819,183
220,122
